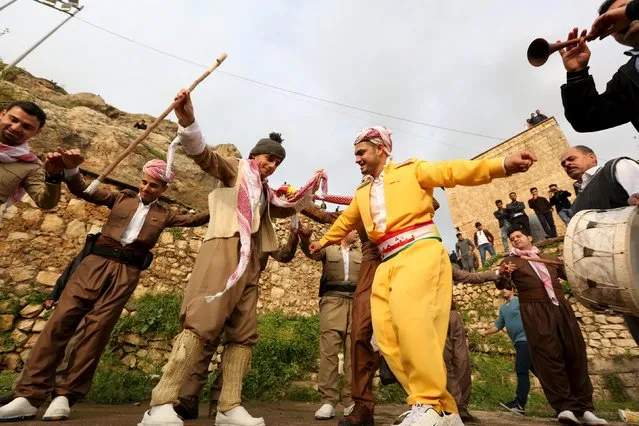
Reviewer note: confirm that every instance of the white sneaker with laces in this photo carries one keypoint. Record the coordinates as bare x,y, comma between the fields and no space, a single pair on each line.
589,418
567,417
237,416
349,409
325,412
18,409
58,410
423,415
453,420
161,415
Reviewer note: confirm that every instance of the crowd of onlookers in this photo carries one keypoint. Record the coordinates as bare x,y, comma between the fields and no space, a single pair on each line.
512,213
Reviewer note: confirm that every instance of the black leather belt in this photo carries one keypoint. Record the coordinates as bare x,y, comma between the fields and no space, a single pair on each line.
140,260
346,288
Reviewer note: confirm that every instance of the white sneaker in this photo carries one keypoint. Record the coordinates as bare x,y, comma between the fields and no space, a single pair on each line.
162,415
237,416
589,418
349,409
567,417
325,412
423,415
453,420
58,409
18,409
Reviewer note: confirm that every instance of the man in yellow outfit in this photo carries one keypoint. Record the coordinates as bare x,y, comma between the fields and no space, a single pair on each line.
412,290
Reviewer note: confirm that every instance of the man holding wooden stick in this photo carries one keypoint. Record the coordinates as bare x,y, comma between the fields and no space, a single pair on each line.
96,291
557,347
222,292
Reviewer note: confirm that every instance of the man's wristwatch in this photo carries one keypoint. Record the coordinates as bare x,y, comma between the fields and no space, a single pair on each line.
57,178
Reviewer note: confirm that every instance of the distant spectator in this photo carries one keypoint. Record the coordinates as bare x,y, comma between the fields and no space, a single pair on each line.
323,205
516,212
464,249
559,200
484,241
140,124
542,116
501,214
543,210
536,118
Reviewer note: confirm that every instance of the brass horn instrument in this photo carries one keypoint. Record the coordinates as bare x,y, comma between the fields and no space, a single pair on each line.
539,50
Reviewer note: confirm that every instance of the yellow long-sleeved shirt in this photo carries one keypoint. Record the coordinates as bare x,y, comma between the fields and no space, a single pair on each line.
408,190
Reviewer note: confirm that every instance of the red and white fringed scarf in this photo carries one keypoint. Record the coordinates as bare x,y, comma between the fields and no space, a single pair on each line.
13,154
248,197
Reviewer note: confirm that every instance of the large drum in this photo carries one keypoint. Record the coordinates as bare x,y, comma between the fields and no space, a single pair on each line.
601,254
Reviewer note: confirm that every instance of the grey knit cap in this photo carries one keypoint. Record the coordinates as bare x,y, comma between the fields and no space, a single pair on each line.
272,145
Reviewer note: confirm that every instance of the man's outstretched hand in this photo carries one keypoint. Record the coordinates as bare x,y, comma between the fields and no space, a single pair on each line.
184,109
519,162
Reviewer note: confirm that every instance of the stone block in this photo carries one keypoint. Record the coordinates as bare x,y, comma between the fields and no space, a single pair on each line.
615,319
18,336
19,236
24,355
32,339
131,339
600,319
31,216
39,325
13,362
6,322
25,325
166,238
76,229
22,274
31,311
52,223
76,209
47,278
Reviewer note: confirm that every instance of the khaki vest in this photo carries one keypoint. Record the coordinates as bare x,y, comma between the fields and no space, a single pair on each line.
223,211
334,264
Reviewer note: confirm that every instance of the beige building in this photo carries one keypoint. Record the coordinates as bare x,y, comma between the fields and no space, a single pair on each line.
477,204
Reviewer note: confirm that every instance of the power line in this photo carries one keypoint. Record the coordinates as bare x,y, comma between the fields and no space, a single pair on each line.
293,92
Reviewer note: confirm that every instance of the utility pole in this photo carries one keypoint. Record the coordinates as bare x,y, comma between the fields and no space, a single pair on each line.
9,3
64,7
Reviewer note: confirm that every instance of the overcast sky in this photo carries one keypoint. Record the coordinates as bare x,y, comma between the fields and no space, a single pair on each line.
459,65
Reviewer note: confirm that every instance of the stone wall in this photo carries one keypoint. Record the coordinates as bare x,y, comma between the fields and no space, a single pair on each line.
470,204
37,245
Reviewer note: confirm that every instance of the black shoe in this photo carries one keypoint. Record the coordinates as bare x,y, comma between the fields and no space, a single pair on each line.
7,398
467,417
514,407
187,408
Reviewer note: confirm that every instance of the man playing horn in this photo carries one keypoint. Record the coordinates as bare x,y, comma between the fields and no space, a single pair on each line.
20,170
395,204
97,291
222,292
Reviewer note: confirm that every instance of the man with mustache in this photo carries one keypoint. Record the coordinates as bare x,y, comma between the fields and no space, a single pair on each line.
613,185
584,107
412,288
20,170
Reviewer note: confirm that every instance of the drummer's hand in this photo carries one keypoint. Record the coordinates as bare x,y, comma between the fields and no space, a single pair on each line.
610,22
634,200
184,109
519,162
575,57
48,304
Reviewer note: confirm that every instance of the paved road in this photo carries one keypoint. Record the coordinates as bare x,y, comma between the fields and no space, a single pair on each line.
275,414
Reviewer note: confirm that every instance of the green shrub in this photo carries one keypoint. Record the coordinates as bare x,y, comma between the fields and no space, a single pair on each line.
156,314
120,386
7,378
616,387
391,393
37,297
288,347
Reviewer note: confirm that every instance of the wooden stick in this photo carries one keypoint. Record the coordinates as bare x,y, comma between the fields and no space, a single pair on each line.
94,185
541,260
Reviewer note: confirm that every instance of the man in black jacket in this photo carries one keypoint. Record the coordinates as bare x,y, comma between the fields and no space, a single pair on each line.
559,200
584,107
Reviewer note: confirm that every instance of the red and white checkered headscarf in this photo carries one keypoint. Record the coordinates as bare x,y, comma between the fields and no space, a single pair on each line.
376,135
157,170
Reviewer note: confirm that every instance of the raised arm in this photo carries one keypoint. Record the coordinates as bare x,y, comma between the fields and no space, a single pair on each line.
458,172
286,253
319,215
305,242
43,190
187,220
76,185
344,224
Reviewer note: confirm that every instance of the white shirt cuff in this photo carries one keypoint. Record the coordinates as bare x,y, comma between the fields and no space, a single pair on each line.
191,139
503,165
69,173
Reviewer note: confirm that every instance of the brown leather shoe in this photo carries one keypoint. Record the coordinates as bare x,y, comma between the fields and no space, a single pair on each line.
188,407
360,416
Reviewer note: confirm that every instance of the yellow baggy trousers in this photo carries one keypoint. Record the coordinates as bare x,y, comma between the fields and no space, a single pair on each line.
410,305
